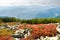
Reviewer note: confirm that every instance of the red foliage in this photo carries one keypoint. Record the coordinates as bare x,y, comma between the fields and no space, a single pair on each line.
42,30
37,31
5,38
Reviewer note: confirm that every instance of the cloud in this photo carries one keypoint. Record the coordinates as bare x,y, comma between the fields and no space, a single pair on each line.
13,2
57,14
46,2
29,2
5,2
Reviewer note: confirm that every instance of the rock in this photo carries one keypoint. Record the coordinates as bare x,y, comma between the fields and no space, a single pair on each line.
58,28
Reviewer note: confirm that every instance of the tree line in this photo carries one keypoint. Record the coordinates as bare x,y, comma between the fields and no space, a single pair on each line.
9,19
30,21
41,20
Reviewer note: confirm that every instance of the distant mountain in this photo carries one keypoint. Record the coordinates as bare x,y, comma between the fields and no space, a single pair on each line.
27,12
58,16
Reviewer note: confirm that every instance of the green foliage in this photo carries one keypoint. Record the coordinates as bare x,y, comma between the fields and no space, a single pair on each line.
30,21
41,20
9,19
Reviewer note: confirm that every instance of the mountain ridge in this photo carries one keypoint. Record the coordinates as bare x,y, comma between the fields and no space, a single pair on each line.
24,12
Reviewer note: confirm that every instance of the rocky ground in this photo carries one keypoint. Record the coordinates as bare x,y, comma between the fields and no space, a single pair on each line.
25,32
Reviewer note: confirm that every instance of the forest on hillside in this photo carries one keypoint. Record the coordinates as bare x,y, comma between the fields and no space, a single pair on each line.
30,21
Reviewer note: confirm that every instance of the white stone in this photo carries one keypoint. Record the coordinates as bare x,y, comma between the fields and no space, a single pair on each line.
19,31
38,39
51,38
16,38
58,28
42,38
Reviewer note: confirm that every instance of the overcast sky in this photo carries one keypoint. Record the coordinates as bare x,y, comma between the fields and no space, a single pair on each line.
41,6
29,2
